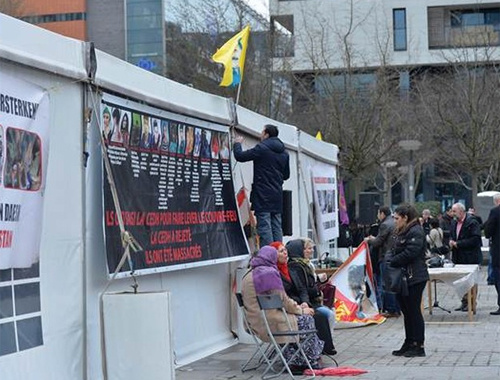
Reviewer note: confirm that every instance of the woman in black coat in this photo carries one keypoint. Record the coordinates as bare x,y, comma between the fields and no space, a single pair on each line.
320,320
409,252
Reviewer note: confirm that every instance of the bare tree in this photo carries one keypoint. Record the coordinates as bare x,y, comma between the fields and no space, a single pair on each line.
194,32
354,99
459,108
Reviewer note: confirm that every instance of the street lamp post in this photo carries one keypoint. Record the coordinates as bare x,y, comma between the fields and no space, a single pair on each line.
411,146
387,182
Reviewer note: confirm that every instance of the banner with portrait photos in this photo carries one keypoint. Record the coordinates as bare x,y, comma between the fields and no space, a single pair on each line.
24,140
324,186
175,188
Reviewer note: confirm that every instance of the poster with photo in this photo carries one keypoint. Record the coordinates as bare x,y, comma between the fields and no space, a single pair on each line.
24,140
324,187
175,190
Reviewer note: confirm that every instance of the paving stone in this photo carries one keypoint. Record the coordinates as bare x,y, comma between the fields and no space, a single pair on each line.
456,348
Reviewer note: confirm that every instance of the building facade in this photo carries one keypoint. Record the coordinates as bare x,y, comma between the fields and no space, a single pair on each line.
66,17
409,39
396,33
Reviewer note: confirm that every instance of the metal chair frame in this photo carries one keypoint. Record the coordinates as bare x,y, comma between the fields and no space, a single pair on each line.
271,302
263,352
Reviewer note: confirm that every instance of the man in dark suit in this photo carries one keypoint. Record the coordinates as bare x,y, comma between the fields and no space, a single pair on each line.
465,241
492,231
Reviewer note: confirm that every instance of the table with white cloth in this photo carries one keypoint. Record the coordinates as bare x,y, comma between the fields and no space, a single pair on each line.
463,278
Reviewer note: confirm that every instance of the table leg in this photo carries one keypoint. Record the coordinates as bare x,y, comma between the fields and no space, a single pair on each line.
429,295
474,298
469,304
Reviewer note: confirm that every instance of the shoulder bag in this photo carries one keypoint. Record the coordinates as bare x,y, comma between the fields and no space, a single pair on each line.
395,279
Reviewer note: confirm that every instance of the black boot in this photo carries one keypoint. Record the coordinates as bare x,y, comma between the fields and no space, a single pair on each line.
405,347
415,350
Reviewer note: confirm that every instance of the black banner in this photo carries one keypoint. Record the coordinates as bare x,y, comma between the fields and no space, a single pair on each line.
175,189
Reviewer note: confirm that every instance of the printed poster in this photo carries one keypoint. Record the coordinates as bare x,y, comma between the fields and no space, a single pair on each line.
324,186
24,140
175,187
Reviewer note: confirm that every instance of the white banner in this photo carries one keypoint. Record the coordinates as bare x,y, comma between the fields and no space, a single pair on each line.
24,120
324,186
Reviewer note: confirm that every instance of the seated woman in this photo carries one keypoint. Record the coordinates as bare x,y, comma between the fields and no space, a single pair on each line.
320,320
264,278
304,277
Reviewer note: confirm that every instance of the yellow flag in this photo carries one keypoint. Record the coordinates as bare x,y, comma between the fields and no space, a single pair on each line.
319,136
232,55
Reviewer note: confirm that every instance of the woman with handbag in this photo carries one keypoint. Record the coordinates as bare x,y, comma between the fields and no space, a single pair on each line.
320,320
408,253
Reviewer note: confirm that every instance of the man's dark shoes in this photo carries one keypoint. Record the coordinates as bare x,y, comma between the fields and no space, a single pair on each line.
414,352
405,347
391,315
497,312
462,308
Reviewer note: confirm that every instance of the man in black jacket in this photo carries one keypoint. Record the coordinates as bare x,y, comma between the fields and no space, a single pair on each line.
492,231
270,168
465,241
445,224
383,243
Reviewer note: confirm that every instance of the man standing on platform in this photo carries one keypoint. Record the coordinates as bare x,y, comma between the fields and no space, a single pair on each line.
465,241
271,168
492,231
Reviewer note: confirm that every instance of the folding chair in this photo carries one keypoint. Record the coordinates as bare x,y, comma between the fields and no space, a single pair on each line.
299,337
263,350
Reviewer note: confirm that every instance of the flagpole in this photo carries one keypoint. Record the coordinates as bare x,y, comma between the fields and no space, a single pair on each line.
238,92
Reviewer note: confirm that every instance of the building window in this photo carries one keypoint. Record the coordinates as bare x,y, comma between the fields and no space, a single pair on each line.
475,17
399,25
56,17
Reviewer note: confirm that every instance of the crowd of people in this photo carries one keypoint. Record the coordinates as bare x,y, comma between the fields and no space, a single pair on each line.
402,239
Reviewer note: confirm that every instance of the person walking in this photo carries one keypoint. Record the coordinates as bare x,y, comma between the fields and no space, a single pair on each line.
465,241
492,231
409,252
271,167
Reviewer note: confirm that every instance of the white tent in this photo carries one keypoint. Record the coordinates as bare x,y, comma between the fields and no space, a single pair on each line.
52,325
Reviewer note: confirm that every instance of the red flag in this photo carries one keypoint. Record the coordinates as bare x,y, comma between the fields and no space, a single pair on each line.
355,298
247,219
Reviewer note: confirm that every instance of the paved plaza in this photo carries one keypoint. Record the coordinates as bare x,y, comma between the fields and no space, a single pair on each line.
456,348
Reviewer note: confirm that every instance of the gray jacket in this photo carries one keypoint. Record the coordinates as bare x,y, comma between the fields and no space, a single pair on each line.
384,239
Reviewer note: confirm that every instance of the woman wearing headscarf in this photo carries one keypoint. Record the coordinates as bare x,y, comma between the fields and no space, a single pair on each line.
264,278
304,277
320,320
409,252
